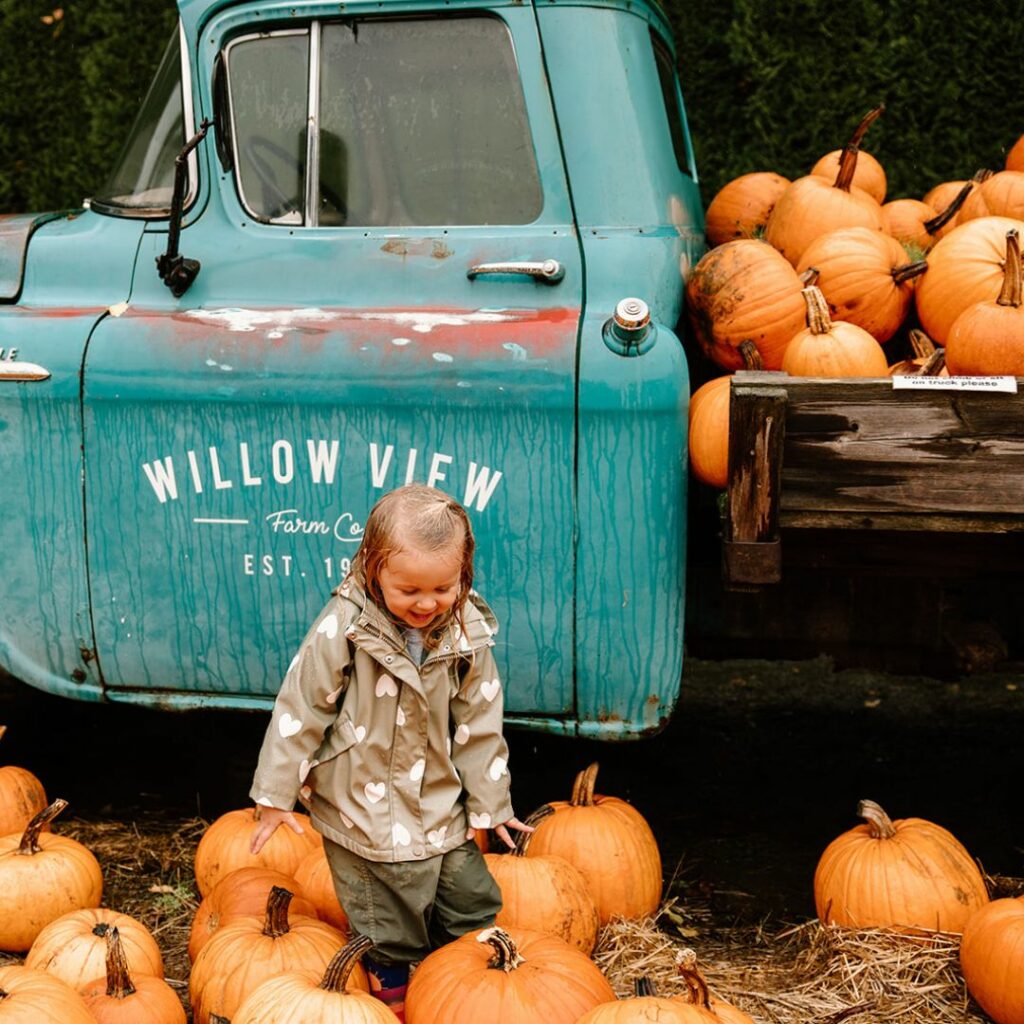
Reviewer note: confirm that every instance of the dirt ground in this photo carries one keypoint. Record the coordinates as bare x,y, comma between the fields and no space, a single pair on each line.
761,766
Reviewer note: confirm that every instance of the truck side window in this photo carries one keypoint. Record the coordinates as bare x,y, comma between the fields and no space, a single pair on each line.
669,93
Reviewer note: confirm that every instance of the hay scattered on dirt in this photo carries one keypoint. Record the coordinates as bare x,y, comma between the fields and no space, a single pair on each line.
813,973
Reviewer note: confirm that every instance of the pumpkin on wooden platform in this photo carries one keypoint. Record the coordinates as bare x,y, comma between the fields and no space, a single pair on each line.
340,996
611,844
866,278
908,875
313,877
927,360
34,997
992,959
249,950
543,893
22,796
869,175
940,196
915,223
740,209
744,291
514,976
827,348
709,432
964,268
224,847
241,893
74,948
118,998
42,877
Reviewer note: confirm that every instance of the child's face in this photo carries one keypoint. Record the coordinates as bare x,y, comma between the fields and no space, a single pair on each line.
418,586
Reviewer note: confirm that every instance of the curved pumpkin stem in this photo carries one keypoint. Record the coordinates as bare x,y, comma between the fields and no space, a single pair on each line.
343,963
848,157
879,823
750,355
982,175
1011,291
275,923
523,838
583,795
696,987
506,957
30,839
574,799
809,276
941,219
909,271
119,981
818,319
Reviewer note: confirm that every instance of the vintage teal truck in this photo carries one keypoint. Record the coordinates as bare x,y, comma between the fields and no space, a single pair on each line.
420,241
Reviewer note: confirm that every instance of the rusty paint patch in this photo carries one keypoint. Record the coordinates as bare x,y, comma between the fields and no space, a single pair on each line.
432,247
396,247
441,251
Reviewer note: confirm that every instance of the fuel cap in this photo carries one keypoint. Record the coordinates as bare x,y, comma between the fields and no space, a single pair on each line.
632,314
629,331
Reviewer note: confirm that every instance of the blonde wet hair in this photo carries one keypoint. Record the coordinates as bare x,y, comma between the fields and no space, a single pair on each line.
416,518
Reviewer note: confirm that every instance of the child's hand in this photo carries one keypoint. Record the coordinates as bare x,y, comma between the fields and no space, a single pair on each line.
502,831
268,820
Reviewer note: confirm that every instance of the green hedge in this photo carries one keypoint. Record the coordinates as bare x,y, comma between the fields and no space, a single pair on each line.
768,85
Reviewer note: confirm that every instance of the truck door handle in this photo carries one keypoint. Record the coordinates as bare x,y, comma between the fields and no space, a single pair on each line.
548,271
11,369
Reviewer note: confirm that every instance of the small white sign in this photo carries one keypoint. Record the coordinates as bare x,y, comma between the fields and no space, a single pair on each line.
905,382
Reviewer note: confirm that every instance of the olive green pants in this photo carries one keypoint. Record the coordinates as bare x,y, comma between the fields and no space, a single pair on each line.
409,908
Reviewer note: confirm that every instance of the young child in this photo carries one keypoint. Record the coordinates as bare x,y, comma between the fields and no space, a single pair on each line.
388,727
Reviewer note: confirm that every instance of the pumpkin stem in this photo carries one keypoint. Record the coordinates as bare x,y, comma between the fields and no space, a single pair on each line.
848,157
809,276
750,354
3,729
1011,292
119,981
818,319
30,839
3,995
506,957
909,271
584,796
982,175
941,219
523,838
577,784
216,1018
696,987
644,987
275,923
922,345
879,823
343,963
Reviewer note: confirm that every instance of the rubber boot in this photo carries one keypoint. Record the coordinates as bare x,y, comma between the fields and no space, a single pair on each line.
388,983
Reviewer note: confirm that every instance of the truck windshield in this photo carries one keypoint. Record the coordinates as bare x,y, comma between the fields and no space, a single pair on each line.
142,180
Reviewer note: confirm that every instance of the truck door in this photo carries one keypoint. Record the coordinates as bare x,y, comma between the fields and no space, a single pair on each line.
390,291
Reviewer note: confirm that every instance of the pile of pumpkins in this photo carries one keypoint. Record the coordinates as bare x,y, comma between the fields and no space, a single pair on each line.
814,276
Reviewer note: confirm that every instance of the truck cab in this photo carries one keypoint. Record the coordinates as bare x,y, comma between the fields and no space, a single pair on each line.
441,243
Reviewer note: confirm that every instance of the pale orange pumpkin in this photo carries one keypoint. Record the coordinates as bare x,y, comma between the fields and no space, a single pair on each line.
74,947
610,843
1015,158
543,893
118,998
909,875
515,977
866,278
869,175
1002,195
744,291
646,1005
740,209
43,876
224,847
942,195
827,348
992,959
301,997
244,892
34,997
964,268
916,223
22,797
249,950
988,338
313,876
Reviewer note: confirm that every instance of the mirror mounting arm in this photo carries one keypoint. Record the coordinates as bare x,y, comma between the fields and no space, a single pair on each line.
175,270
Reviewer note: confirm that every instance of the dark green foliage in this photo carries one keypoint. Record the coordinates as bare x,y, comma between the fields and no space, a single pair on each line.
774,86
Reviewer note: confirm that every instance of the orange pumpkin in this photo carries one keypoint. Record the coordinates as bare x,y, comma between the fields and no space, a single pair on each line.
224,847
300,997
744,291
709,432
992,959
942,195
909,875
916,223
515,977
988,338
313,877
118,998
74,947
832,349
610,843
242,893
249,950
866,277
43,876
869,175
645,1006
741,208
543,894
33,997
964,268
1015,158
1002,195
22,797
